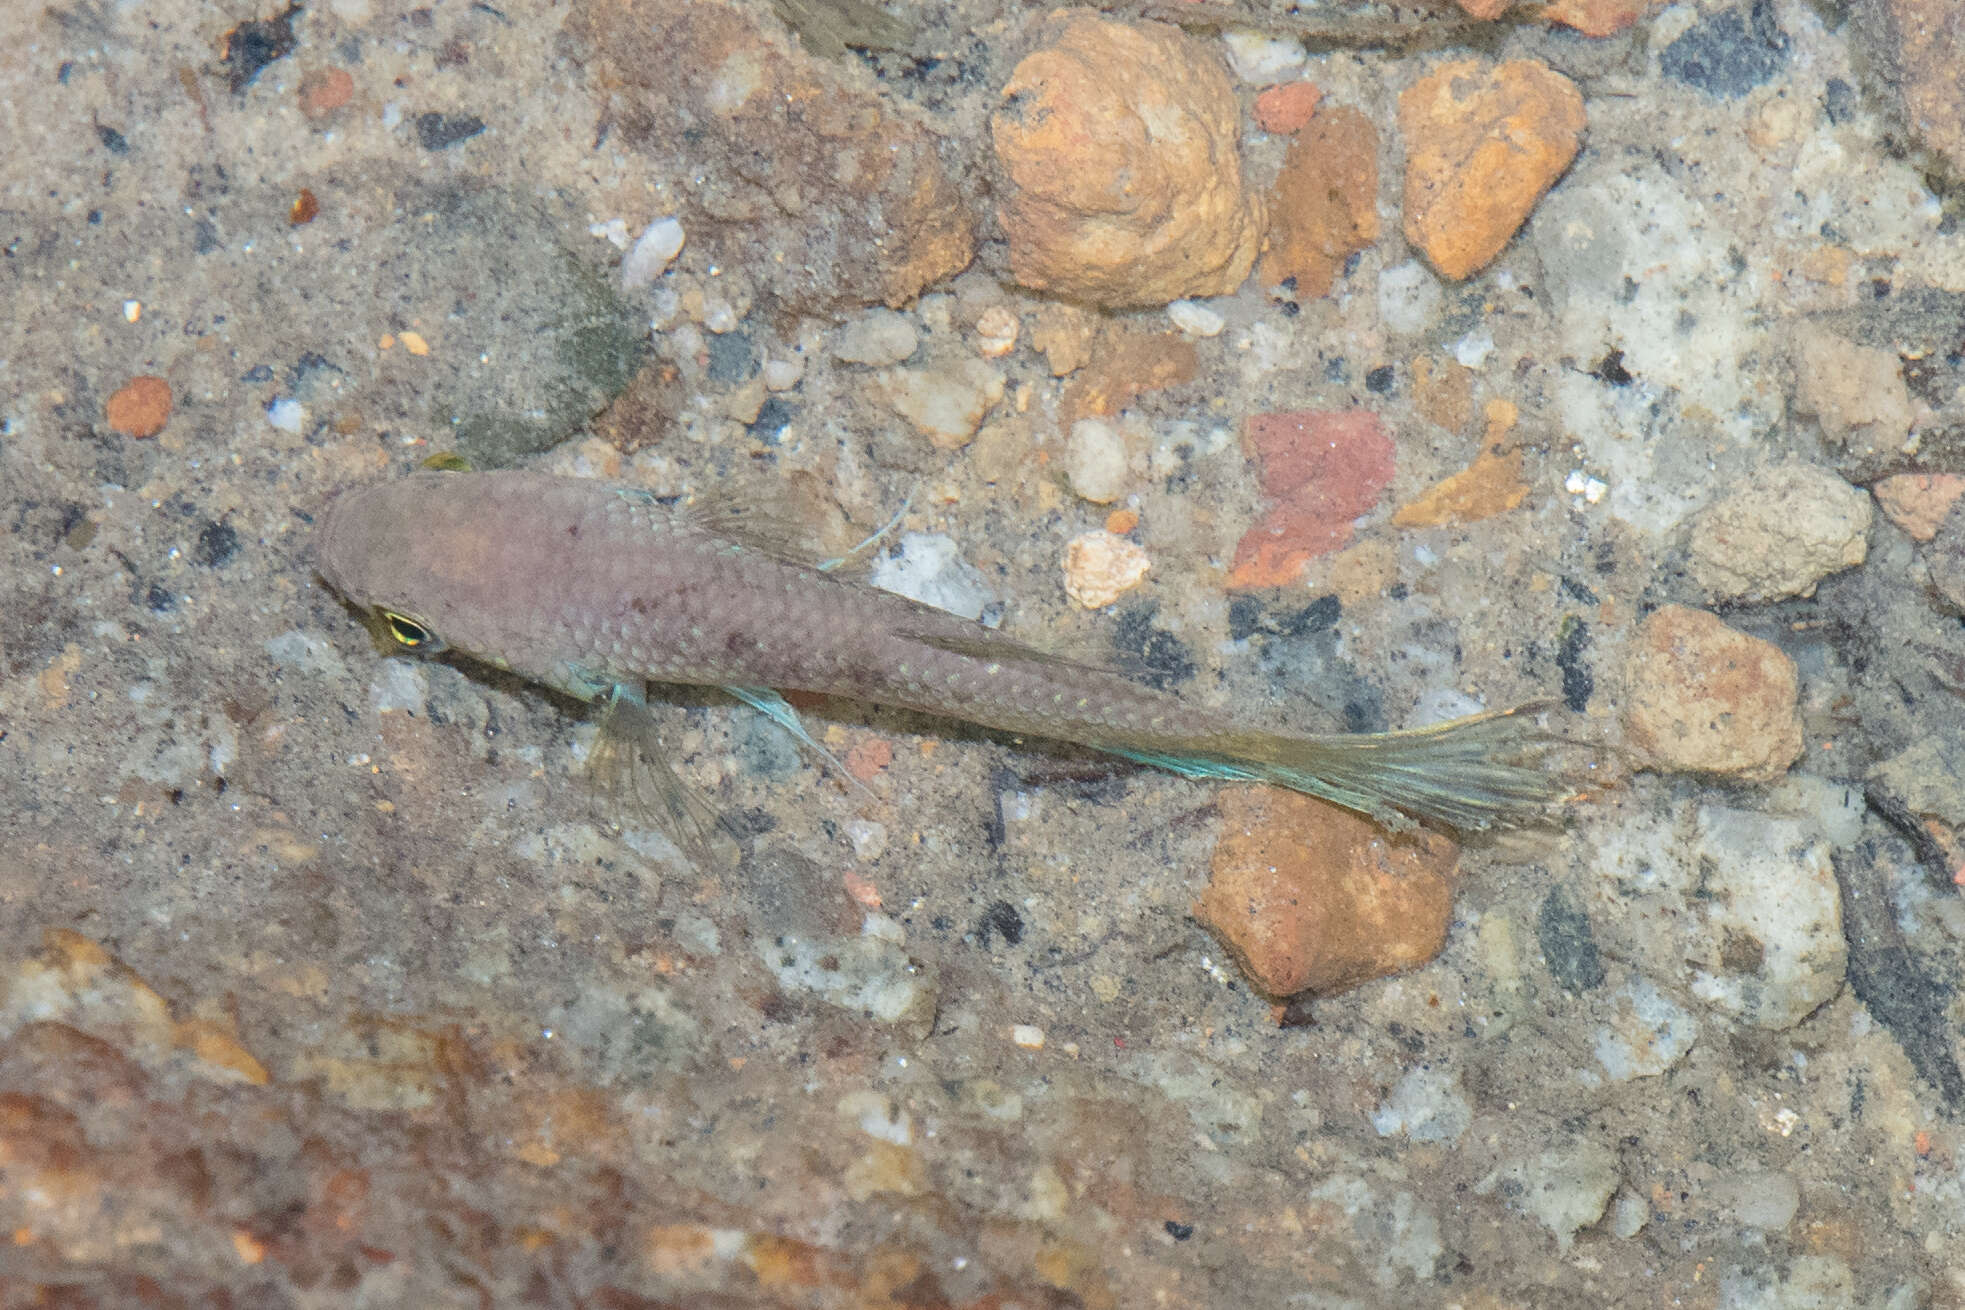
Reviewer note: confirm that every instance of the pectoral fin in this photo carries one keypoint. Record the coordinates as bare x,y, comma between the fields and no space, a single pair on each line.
775,708
630,762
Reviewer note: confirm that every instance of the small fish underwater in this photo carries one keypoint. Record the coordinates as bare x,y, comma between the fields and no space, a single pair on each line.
596,590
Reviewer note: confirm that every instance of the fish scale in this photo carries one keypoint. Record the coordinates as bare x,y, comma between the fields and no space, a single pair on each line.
595,590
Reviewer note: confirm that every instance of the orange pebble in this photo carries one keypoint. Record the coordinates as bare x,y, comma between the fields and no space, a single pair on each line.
304,208
323,93
869,757
1121,521
1285,108
140,407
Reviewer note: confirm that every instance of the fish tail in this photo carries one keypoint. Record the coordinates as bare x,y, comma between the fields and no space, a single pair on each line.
1469,773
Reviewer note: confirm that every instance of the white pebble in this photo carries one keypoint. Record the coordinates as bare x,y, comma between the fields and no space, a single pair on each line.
659,244
877,338
996,332
868,837
1195,318
1409,298
1259,60
287,414
719,317
1029,1036
1095,461
784,373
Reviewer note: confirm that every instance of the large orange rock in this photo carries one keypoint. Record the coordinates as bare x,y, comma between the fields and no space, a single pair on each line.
1483,143
1119,149
1311,897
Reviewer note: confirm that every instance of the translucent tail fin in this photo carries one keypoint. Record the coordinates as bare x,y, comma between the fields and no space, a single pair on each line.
1469,773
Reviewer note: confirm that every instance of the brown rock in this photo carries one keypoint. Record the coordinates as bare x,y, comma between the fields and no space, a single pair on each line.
1596,17
1701,697
1287,107
326,91
1915,49
1126,365
140,407
821,189
1065,334
1482,145
1325,202
1311,897
1918,502
1491,485
1119,147
1856,392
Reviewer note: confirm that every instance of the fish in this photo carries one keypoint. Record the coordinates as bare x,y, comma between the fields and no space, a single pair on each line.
597,590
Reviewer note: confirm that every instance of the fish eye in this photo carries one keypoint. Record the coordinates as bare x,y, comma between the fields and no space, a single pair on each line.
409,632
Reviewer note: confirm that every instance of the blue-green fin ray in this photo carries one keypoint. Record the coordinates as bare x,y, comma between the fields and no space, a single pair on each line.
777,709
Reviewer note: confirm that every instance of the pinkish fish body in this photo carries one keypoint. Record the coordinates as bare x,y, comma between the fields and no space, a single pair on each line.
595,590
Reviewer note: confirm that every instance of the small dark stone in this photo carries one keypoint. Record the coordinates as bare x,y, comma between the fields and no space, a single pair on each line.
1000,917
442,131
1153,655
1379,380
251,46
205,237
1244,618
257,373
217,544
1729,53
112,140
160,600
1179,1231
773,417
1610,370
1579,683
1568,944
732,357
1320,615
1839,101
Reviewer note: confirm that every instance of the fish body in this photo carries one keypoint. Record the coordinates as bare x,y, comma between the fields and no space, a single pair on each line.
595,590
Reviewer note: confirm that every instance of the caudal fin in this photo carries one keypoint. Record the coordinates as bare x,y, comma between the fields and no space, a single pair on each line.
1469,773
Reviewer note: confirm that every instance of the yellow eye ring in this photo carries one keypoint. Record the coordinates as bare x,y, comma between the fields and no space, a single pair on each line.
409,632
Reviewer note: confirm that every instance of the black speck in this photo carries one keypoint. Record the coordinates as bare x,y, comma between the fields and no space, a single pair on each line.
217,544
1153,655
1879,288
1290,308
249,47
773,417
1573,658
95,218
1000,917
1320,615
1839,101
159,600
442,131
1577,590
1179,1231
1567,944
1729,53
1364,711
1379,380
112,140
1610,369
732,357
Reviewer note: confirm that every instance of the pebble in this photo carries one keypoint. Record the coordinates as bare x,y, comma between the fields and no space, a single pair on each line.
1280,110
783,372
1564,1189
866,976
1311,897
1195,318
1321,469
1425,1106
1857,393
1258,59
1100,567
1702,697
946,403
1095,461
1323,206
140,407
1597,18
324,92
1119,150
1483,143
1127,365
1919,502
996,331
878,338
1491,485
1646,1034
929,567
1779,535
1773,944
1928,776
1409,298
